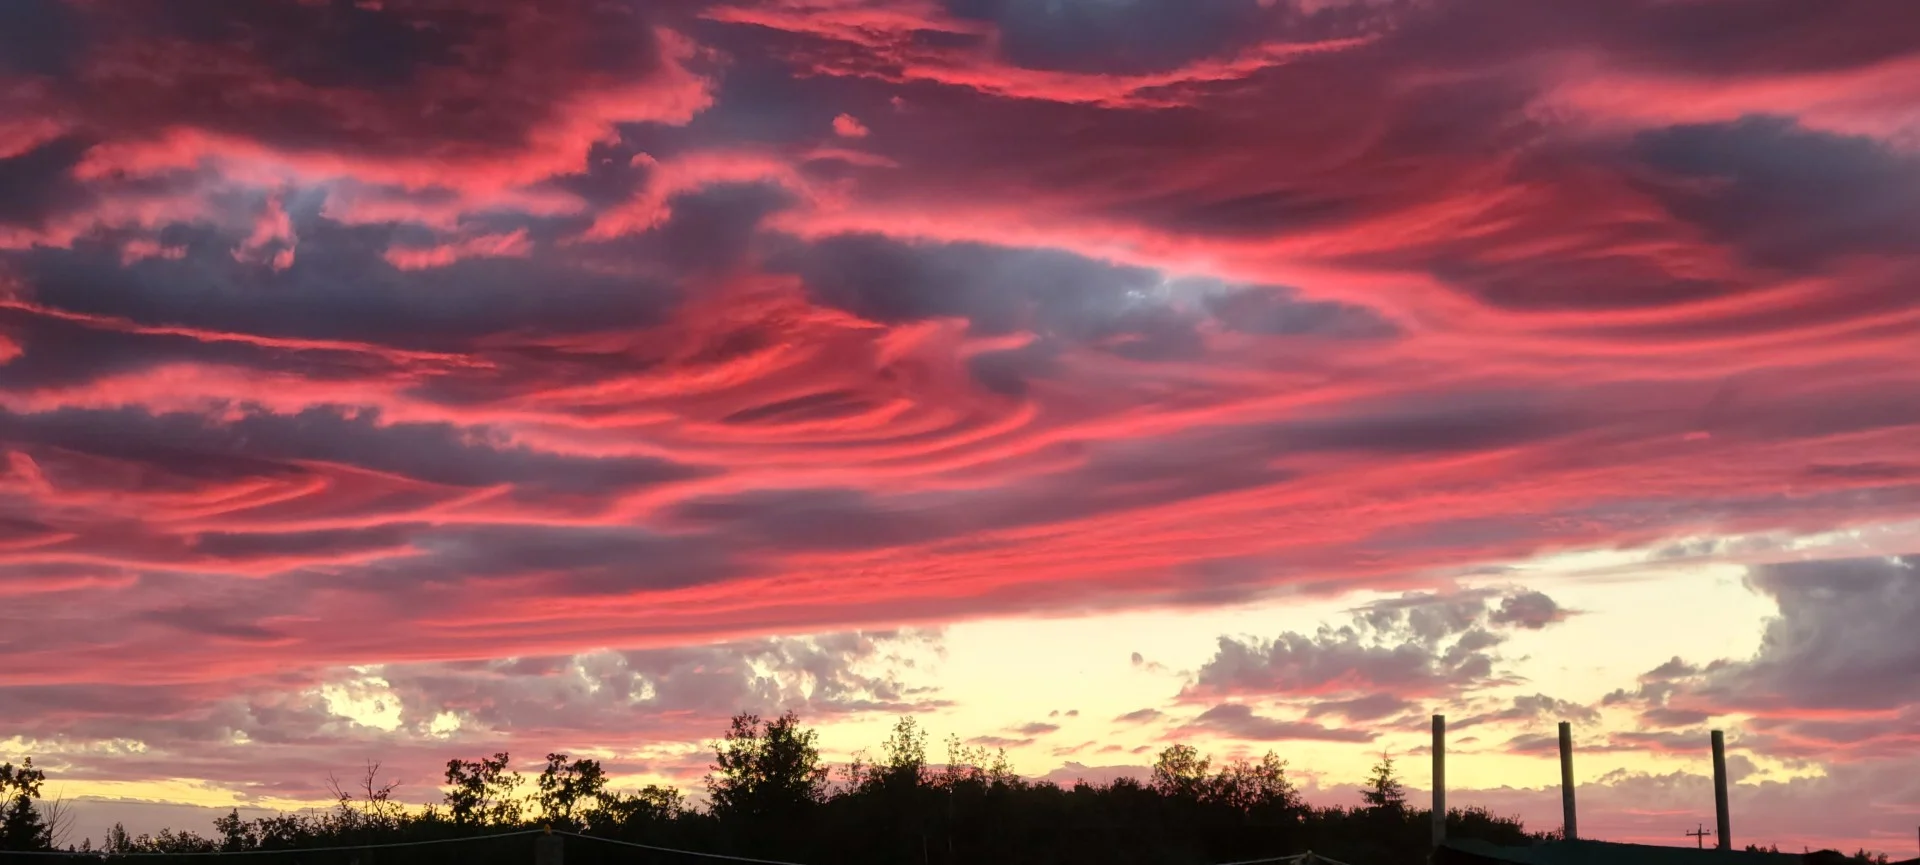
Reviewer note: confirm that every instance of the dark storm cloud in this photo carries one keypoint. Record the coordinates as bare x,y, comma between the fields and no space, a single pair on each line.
825,519
1106,478
1144,36
569,559
710,230
1276,311
38,184
214,624
341,287
460,80
247,545
268,443
1714,37
1001,289
39,37
1786,196
326,44
1461,422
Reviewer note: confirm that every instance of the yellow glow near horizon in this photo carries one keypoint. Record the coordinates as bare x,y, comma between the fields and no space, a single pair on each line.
1628,616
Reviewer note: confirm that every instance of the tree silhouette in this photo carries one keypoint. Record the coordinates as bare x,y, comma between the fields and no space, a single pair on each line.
565,787
1383,791
1180,771
22,826
766,776
483,791
768,798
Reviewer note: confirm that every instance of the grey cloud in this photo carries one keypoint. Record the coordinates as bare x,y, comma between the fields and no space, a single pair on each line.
1139,716
1371,707
1533,707
38,184
1055,294
575,559
1415,644
601,698
340,287
1144,36
1672,669
1842,639
1239,721
1455,422
213,623
263,443
1662,716
709,230
437,70
820,519
1107,477
1533,743
1530,610
602,692
1831,663
1131,38
324,45
1787,196
246,545
39,37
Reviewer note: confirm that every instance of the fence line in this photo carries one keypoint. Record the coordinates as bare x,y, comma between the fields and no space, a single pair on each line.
1297,859
103,854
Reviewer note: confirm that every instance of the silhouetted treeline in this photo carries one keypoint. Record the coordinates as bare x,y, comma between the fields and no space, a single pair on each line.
770,796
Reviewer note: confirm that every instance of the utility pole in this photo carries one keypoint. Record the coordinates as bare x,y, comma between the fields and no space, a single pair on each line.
1699,836
1568,828
1439,779
1723,823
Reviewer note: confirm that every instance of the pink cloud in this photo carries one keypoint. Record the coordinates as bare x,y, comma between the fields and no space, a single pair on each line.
513,244
848,126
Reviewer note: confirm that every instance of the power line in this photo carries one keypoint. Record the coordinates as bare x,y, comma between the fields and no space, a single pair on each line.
1301,858
681,852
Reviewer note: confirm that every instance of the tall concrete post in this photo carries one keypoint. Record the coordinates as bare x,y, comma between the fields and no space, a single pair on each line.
1570,830
1722,822
1439,779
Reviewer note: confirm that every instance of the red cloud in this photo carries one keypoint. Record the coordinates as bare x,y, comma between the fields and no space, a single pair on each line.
499,330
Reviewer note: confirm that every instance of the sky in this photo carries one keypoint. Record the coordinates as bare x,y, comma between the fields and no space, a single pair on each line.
403,380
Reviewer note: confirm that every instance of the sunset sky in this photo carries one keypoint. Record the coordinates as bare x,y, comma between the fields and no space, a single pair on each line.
403,380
